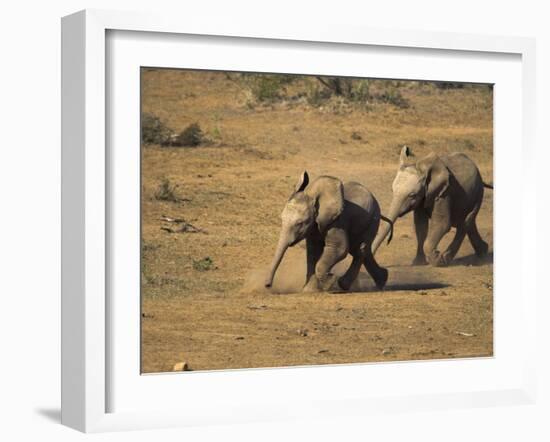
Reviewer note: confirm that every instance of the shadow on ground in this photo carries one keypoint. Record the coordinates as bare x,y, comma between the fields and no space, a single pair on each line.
51,414
473,260
415,286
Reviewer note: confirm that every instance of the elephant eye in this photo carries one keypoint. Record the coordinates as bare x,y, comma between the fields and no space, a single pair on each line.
412,194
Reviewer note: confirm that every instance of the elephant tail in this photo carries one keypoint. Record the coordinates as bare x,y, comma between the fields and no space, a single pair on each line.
488,186
390,222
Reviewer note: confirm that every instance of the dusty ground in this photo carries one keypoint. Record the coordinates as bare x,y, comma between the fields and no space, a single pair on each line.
215,314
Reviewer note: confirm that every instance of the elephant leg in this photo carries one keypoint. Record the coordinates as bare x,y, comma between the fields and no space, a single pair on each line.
334,251
453,248
377,273
421,221
440,224
346,280
314,249
481,247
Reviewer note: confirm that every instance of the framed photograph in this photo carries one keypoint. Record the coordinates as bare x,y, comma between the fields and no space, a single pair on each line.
261,224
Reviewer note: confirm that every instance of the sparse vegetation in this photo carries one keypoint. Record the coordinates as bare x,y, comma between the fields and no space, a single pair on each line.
352,90
316,95
191,136
262,88
339,86
393,96
154,130
448,85
361,90
166,191
204,264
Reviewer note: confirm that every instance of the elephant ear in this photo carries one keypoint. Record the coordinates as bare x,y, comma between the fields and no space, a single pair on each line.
328,194
302,183
436,176
406,157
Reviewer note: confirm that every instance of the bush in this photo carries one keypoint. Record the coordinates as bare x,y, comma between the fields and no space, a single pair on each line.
266,88
349,88
154,130
338,94
393,96
448,85
204,264
361,91
263,88
166,191
191,136
315,95
338,85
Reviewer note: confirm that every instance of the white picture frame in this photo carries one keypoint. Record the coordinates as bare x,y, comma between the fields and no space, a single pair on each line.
86,315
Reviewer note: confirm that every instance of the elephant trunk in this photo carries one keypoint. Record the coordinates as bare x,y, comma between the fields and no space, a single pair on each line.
385,228
279,253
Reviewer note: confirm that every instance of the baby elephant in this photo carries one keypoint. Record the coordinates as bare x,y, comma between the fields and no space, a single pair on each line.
443,192
335,219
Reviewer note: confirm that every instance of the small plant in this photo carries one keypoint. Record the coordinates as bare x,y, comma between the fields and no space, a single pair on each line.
338,85
216,133
191,136
204,264
361,91
341,91
393,96
154,130
316,95
266,88
166,191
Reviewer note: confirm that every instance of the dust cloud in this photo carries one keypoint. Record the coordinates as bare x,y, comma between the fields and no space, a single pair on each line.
291,275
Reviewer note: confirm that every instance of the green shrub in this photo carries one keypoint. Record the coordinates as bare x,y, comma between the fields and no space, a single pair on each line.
154,130
204,264
361,90
216,133
264,88
337,91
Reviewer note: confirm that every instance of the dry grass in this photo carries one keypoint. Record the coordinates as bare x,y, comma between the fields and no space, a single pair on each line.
216,314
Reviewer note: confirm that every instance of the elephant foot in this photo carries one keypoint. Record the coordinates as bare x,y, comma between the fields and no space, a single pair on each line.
482,249
437,259
312,285
419,260
344,283
381,279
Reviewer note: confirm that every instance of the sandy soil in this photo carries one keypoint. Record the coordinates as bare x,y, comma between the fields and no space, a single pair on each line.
215,314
